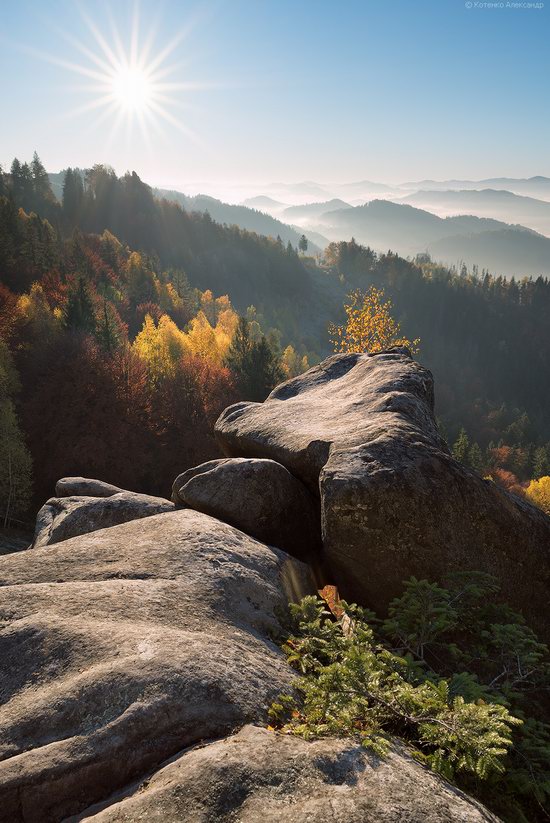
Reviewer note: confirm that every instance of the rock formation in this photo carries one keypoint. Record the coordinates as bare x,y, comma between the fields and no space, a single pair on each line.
260,497
360,431
63,517
84,487
121,647
258,775
123,642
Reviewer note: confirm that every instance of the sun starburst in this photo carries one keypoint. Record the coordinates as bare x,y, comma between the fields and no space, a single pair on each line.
131,82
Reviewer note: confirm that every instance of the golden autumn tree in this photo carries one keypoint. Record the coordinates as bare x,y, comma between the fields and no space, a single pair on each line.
369,326
160,346
201,338
538,492
225,329
292,364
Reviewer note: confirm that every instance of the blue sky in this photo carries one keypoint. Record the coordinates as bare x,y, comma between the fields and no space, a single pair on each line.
387,90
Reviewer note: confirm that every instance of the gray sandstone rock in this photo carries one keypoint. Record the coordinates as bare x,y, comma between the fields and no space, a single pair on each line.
121,647
360,430
260,497
258,775
61,518
84,487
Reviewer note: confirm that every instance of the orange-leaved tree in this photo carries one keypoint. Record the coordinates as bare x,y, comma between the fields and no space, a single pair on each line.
369,325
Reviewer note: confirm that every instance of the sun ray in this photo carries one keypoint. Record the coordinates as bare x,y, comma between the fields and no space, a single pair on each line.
74,41
119,48
174,122
100,39
134,40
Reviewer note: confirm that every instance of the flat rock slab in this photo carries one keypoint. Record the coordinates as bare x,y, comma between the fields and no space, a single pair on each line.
61,518
121,647
360,430
260,497
258,775
84,487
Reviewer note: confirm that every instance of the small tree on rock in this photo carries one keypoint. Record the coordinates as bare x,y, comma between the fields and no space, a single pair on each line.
370,326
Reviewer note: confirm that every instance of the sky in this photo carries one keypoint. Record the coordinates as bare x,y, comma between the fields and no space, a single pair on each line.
279,90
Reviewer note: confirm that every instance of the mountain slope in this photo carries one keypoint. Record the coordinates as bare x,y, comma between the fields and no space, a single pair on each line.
508,250
310,211
496,203
241,216
537,186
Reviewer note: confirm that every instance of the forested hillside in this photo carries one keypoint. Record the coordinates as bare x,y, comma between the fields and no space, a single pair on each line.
120,320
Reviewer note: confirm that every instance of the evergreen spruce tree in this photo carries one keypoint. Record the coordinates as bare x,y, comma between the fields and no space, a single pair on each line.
107,331
541,462
461,447
16,181
255,365
15,460
475,458
42,190
73,194
79,311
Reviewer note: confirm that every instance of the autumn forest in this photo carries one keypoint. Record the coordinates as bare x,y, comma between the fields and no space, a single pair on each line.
128,323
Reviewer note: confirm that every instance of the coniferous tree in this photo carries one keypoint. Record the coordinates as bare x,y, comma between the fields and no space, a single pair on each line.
26,187
541,462
43,195
15,179
475,458
73,194
15,460
254,364
107,330
461,447
79,312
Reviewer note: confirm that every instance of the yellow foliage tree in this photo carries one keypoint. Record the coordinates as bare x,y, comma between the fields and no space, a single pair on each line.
33,311
369,326
224,330
160,346
292,364
538,492
201,338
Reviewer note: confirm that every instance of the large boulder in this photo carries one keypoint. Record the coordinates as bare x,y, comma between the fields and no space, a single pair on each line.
258,775
61,518
85,487
121,647
260,497
360,431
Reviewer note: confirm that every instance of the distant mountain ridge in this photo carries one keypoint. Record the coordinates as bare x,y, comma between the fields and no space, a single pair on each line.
496,203
309,210
242,216
441,220
382,224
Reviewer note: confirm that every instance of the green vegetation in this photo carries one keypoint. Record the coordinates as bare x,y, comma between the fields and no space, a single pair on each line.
15,461
253,362
451,671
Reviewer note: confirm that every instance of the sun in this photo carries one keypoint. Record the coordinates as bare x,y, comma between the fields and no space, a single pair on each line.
129,82
132,88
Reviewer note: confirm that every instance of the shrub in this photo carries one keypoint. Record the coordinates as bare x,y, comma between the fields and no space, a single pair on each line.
451,671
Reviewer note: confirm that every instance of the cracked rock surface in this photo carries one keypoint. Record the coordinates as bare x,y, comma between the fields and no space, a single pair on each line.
261,776
123,646
360,431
